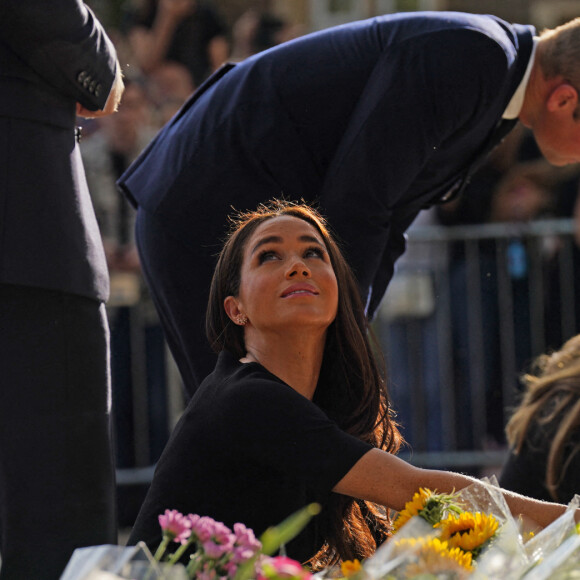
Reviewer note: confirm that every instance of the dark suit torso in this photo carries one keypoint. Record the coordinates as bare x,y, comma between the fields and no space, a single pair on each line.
56,468
50,238
374,120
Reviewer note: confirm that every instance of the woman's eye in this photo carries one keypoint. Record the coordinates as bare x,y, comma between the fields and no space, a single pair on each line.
267,255
314,252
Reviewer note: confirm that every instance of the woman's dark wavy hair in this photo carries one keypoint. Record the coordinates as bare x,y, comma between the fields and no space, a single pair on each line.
351,388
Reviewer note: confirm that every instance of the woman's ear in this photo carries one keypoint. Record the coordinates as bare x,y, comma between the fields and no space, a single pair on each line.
564,98
232,308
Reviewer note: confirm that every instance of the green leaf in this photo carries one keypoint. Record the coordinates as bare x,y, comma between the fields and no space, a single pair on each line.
276,536
285,531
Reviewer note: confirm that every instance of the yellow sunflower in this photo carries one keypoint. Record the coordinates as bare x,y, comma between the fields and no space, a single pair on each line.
468,531
412,508
435,556
427,504
350,567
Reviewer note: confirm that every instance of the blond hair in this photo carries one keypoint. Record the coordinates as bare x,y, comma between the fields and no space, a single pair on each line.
552,396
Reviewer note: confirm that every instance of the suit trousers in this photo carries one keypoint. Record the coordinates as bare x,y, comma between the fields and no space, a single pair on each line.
179,277
57,488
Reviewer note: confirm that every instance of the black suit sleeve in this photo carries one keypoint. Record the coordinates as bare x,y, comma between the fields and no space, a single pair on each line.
64,44
422,94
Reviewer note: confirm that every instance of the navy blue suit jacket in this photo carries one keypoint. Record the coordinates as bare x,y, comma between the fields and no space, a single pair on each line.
52,55
374,120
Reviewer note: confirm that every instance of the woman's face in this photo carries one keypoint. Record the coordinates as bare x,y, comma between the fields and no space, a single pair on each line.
286,279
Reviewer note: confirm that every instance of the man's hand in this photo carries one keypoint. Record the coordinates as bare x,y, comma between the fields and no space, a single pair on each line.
112,103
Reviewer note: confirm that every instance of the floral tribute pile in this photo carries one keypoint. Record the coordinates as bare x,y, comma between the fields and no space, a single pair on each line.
471,534
465,535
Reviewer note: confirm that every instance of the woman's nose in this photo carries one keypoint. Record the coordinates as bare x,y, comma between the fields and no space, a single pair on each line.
297,269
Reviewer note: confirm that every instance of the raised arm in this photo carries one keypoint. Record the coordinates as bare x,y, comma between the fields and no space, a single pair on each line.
151,45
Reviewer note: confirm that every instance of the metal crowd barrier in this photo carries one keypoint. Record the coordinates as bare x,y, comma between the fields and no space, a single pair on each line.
501,294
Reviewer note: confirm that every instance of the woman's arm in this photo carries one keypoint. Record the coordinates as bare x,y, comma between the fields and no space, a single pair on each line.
387,480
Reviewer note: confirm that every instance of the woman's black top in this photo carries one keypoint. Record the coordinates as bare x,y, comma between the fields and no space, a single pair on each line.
249,449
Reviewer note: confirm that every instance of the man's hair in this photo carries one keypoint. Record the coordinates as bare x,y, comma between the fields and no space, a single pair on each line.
560,55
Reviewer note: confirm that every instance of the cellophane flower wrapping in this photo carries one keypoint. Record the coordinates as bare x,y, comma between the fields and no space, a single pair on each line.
109,562
476,538
554,553
449,536
505,555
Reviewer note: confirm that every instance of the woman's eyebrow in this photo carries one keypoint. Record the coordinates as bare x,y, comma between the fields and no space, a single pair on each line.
308,238
278,240
267,240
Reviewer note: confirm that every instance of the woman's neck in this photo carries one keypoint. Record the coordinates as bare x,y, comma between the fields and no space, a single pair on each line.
294,358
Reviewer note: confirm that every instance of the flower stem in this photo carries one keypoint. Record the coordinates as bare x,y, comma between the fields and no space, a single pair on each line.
179,552
194,565
161,549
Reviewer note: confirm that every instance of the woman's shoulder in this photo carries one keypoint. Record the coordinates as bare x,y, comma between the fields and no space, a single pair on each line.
232,378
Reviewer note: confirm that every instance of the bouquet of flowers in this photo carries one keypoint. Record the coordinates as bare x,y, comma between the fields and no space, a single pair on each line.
471,534
197,547
436,536
216,552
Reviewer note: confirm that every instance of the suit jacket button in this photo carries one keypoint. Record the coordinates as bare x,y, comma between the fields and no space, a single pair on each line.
98,90
81,77
92,87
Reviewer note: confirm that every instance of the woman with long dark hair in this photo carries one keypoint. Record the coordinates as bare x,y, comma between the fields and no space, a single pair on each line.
296,410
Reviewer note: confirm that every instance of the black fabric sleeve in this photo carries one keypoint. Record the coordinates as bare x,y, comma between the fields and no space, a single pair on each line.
416,100
65,44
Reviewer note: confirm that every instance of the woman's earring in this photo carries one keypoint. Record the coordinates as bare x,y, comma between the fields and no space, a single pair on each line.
242,320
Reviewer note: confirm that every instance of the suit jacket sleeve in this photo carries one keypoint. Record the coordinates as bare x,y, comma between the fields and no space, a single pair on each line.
64,44
422,93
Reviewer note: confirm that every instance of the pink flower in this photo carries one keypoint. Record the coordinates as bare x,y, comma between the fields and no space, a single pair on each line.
245,545
207,575
214,550
175,525
222,534
282,567
230,568
245,537
220,542
241,554
193,519
203,528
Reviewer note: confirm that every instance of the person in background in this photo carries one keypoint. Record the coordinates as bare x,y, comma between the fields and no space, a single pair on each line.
56,466
255,31
544,430
186,31
168,87
374,120
297,409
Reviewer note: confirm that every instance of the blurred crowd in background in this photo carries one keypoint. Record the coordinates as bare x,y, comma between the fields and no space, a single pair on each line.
168,48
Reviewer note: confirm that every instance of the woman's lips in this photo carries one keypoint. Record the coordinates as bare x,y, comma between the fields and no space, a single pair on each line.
300,289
